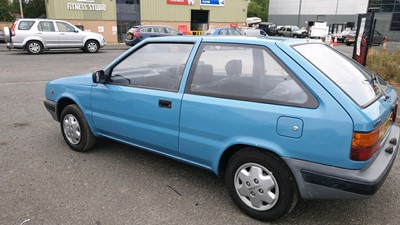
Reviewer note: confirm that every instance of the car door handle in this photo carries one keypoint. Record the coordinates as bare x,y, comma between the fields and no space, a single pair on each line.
164,103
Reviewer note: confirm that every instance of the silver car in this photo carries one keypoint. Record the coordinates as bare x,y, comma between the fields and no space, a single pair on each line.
35,35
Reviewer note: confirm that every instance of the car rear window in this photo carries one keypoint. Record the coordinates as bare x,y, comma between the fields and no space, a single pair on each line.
25,25
346,74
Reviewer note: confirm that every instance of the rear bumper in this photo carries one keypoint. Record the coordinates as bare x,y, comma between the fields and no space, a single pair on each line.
52,108
317,181
132,42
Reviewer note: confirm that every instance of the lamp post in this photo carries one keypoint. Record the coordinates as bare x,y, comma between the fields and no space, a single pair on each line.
298,18
20,8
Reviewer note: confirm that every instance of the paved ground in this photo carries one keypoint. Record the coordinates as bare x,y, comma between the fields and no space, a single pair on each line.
43,182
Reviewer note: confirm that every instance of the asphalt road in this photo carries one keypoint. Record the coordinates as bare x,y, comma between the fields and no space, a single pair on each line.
42,181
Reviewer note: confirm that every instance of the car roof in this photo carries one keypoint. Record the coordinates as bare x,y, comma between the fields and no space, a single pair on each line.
235,39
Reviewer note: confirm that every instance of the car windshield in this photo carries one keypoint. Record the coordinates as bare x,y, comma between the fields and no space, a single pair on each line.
352,78
295,28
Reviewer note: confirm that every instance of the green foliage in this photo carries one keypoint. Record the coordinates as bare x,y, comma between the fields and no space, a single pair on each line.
6,11
386,64
258,8
35,9
10,11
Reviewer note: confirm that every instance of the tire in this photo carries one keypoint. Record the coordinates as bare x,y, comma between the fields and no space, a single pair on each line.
279,183
34,47
75,129
295,36
92,46
348,43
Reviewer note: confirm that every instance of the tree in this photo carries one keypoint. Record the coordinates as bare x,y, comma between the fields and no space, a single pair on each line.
10,11
6,11
35,9
258,8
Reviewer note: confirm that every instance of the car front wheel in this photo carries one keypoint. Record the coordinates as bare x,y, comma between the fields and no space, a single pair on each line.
92,46
261,184
75,129
34,47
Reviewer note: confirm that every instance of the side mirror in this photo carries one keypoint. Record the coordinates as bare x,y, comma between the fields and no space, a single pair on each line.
76,31
99,77
180,34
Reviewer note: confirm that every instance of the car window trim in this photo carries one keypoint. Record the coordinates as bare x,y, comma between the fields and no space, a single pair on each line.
312,102
367,104
109,71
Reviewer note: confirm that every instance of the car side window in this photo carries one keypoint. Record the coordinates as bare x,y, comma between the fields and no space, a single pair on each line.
65,27
46,26
25,25
171,31
246,73
159,30
154,66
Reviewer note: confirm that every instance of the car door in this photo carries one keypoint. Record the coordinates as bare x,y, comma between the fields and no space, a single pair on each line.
241,94
46,31
140,104
69,35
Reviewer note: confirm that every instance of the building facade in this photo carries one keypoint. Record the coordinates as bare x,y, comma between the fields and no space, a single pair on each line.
341,13
112,18
197,15
98,16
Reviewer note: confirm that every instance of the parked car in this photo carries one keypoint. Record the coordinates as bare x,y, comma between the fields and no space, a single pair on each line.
224,31
138,33
254,32
292,31
340,36
274,117
36,35
2,40
351,37
269,28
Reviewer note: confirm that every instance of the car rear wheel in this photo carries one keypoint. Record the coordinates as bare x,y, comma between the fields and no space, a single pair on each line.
261,184
34,47
75,129
92,46
295,36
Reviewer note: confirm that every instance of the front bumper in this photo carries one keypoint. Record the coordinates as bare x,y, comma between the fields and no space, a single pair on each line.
52,108
317,181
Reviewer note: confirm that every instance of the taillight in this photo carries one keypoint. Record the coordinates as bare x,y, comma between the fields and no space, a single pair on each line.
394,113
136,34
364,145
13,28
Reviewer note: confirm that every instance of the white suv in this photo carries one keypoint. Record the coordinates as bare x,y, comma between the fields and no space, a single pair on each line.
35,35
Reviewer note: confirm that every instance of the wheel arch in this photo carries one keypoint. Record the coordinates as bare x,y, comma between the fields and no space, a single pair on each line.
64,101
90,39
231,150
27,40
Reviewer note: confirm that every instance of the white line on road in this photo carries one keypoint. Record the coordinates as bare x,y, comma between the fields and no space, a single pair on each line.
24,82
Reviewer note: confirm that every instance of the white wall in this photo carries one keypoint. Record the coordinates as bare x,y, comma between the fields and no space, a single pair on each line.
317,7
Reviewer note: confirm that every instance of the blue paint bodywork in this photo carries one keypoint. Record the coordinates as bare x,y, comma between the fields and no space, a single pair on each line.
199,129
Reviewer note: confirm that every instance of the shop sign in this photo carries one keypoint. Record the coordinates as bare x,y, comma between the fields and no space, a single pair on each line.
86,5
181,2
212,2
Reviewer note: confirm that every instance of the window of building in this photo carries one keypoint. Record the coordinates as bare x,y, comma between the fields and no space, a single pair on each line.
395,24
155,66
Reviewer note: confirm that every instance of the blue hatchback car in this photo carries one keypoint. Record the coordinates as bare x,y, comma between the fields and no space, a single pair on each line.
280,119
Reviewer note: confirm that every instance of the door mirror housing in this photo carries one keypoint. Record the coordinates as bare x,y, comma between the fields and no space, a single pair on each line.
99,77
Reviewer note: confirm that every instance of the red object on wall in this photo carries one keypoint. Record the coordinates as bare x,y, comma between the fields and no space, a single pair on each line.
180,2
234,25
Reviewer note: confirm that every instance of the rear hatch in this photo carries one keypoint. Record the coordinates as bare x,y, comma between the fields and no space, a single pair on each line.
373,104
131,33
